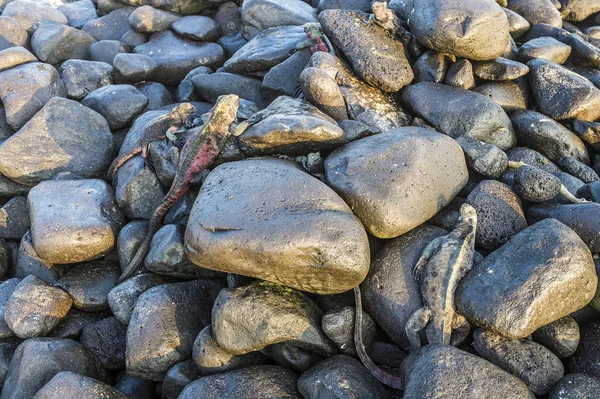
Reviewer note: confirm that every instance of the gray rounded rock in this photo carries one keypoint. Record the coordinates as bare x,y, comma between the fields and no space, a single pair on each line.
292,357
534,364
576,386
55,43
561,336
542,274
259,15
32,14
13,57
211,86
79,12
536,185
586,358
110,26
545,47
70,385
458,112
106,339
511,95
486,159
106,50
6,289
118,104
578,169
149,19
12,34
197,27
460,74
178,377
134,67
82,77
74,322
396,181
16,219
472,29
338,325
500,69
340,376
537,11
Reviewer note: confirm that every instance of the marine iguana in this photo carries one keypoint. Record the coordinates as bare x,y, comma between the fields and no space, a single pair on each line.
198,153
443,263
316,39
154,130
386,18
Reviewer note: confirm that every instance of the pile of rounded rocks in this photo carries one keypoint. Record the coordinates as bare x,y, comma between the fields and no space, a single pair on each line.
366,133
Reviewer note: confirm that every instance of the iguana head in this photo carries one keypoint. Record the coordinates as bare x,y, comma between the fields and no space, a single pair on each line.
380,10
183,111
312,29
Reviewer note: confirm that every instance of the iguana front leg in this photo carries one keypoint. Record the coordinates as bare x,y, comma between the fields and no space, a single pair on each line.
417,322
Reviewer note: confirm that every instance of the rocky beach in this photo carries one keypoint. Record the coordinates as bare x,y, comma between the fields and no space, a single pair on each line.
299,199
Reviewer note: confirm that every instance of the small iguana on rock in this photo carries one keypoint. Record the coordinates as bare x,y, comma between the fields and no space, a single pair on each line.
443,263
386,18
316,39
198,153
157,129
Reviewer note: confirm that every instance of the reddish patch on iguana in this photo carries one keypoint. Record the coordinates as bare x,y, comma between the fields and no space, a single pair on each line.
198,153
154,130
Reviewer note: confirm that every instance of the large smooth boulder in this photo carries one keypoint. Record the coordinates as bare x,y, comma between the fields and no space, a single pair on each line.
541,275
396,181
267,219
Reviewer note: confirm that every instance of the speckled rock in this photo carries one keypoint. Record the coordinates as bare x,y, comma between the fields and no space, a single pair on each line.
106,50
54,43
537,11
74,322
211,86
338,325
165,321
452,372
24,90
6,289
576,386
240,325
73,220
485,159
561,336
178,377
79,12
500,69
197,27
376,57
407,199
11,33
106,339
110,26
82,77
63,137
70,385
458,112
31,14
148,19
534,364
586,358
476,30
14,219
134,68
548,262
340,376
267,246
545,47
34,308
13,57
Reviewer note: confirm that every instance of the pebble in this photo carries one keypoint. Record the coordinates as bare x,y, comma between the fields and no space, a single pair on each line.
338,325
34,308
14,218
228,18
537,11
118,104
534,364
81,77
548,261
133,68
268,382
197,27
393,190
74,322
54,43
292,357
211,86
285,315
73,221
106,50
561,336
110,26
500,69
586,358
575,386
15,56
178,377
148,19
546,48
70,385
270,191
106,339
78,13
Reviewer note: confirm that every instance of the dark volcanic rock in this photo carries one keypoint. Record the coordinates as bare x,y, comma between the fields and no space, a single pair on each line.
211,86
544,47
197,27
376,57
561,336
111,26
542,274
536,185
576,386
265,382
6,290
458,112
106,50
82,77
338,325
259,15
178,377
119,104
500,69
587,357
340,376
106,339
537,11
54,43
70,385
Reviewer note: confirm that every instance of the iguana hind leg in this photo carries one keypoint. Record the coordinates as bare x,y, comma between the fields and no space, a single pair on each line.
431,249
417,322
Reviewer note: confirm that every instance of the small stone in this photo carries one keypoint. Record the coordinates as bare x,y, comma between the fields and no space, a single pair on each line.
589,132
63,136
431,67
500,69
178,377
119,104
149,19
106,50
232,43
534,364
177,56
536,185
12,34
73,220
29,262
561,336
510,95
268,382
283,79
518,25
165,321
15,56
340,376
460,74
546,48
376,57
185,89
129,239
134,68
228,18
499,213
157,94
32,14
477,30
485,159
212,359
338,325
211,86
25,89
561,93
197,27
587,357
540,133
292,357
82,77
257,315
110,26
123,297
572,10
408,199
578,169
270,191
260,15
6,289
69,385
14,218
54,43
451,372
136,388
537,11
74,322
133,39
548,262
34,308
79,12
458,112
106,339
89,284
576,386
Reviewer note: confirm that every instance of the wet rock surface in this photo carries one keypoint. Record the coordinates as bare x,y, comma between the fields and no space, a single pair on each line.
363,127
